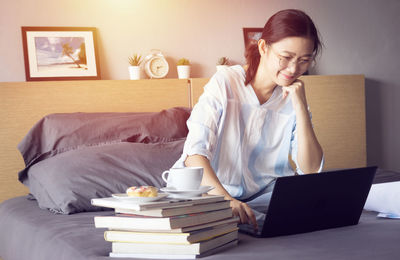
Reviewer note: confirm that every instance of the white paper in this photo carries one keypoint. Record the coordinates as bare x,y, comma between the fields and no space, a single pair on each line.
386,215
384,198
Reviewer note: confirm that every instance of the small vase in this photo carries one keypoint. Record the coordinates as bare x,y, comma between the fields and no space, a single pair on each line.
183,71
134,72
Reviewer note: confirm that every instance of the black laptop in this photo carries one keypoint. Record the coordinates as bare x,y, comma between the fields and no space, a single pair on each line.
305,203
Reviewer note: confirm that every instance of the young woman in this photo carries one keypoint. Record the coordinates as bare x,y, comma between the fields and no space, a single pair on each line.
249,120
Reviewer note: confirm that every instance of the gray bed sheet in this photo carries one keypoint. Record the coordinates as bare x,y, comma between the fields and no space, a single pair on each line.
28,232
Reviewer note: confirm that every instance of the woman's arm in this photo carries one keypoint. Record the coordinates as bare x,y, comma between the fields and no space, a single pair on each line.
239,208
309,151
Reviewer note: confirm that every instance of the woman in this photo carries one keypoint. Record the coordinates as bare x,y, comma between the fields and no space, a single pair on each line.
248,121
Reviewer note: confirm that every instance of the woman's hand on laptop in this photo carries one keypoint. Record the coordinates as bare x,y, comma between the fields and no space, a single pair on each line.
244,212
239,208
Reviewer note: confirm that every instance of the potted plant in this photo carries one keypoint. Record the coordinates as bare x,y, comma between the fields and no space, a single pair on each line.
183,67
134,68
222,62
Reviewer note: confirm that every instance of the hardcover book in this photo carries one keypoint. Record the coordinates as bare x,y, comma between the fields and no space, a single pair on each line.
169,238
130,221
183,256
174,211
184,229
111,202
174,249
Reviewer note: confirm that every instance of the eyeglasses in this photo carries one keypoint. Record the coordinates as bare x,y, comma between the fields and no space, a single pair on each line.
285,61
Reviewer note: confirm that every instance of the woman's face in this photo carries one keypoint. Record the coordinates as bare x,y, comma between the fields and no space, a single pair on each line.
284,61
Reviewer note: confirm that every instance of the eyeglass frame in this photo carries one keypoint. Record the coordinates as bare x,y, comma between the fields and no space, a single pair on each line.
307,64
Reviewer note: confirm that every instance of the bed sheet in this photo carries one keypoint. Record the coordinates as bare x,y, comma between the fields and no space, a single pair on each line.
28,232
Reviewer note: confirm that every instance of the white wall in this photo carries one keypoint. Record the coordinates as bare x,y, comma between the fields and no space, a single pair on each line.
360,37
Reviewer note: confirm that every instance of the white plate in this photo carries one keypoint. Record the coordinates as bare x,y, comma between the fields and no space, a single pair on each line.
124,196
174,193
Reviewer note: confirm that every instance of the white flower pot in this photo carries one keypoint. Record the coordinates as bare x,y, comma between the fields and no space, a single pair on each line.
219,67
183,71
134,72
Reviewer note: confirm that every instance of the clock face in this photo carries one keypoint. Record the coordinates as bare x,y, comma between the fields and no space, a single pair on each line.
158,67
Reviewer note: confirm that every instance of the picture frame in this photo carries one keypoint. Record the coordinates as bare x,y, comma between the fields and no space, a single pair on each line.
251,35
60,53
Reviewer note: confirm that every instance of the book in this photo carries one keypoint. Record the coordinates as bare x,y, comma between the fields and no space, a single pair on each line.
184,229
169,238
130,221
111,202
174,249
183,256
174,211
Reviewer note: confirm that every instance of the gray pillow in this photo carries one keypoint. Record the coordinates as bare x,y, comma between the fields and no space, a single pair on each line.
58,133
66,182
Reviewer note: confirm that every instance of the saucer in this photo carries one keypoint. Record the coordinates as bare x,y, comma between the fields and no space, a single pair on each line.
174,193
125,197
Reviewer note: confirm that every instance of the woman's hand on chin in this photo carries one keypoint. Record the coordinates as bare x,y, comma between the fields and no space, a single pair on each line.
297,92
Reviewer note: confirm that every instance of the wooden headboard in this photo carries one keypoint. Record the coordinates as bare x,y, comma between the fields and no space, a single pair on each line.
337,104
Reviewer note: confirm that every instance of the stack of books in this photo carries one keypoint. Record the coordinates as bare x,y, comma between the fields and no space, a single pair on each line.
169,228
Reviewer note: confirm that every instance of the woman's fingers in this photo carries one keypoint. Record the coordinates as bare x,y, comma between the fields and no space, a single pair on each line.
285,92
244,212
251,217
238,211
297,92
295,87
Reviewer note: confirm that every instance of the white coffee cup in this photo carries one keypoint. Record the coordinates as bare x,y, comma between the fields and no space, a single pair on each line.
188,178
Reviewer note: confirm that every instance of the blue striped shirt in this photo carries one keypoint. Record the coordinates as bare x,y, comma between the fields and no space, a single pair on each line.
247,144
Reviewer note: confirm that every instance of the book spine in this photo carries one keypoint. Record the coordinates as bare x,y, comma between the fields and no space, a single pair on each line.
200,218
111,202
151,256
127,222
146,237
174,211
135,222
185,202
185,256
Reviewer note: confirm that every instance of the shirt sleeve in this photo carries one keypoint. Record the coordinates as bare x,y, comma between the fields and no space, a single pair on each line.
203,123
293,148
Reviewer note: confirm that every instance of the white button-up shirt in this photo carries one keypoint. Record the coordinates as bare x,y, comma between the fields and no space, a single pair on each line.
247,144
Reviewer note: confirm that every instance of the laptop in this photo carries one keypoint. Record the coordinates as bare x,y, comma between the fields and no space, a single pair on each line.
311,202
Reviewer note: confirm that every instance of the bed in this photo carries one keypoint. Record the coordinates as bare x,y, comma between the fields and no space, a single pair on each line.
64,158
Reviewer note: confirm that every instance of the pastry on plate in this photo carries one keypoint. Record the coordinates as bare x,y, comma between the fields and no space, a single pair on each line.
142,191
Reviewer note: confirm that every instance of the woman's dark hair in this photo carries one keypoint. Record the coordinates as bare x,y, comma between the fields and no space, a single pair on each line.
285,23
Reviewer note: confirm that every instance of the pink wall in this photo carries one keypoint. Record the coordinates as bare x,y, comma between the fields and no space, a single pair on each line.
200,30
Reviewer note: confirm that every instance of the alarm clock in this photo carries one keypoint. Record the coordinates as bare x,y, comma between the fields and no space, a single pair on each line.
155,65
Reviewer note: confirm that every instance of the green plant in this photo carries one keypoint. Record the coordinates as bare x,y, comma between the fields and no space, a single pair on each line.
183,61
135,60
222,61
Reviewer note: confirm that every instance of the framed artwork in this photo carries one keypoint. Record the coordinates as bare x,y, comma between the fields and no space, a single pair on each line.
251,35
60,53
